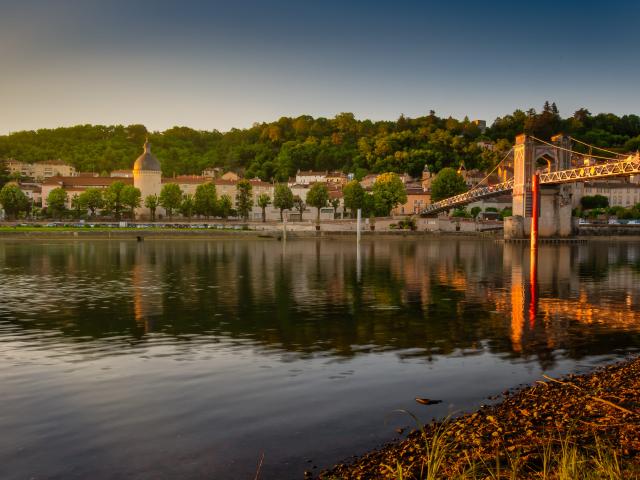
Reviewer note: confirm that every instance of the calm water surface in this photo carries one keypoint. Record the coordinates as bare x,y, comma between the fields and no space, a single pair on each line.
191,359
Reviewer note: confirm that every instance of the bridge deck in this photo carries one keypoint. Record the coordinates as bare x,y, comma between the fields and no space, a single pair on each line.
630,166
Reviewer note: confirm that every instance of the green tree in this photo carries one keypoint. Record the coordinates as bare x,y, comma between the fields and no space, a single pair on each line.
13,200
152,202
4,173
447,183
244,200
335,203
91,199
112,197
224,206
77,207
131,198
263,202
318,196
282,198
206,200
506,212
388,192
299,205
595,201
353,196
170,198
57,202
278,149
475,211
187,206
461,213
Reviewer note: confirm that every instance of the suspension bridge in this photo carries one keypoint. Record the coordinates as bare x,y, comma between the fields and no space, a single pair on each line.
557,165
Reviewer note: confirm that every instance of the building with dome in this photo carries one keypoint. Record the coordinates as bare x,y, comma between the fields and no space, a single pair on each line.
147,177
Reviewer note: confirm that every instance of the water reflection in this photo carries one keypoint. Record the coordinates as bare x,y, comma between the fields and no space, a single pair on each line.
433,297
188,359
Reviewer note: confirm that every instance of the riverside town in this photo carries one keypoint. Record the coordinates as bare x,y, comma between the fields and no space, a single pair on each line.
284,240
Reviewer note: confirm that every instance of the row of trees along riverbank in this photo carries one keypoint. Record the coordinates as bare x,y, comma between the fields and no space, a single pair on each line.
120,199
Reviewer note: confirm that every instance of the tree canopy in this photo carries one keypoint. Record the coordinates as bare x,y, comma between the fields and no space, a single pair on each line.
353,196
447,183
263,202
4,173
170,198
13,200
152,202
131,197
276,150
244,200
318,196
225,206
57,202
283,198
91,199
595,201
388,193
112,197
206,199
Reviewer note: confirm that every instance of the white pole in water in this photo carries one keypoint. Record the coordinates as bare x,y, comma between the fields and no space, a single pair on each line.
358,257
284,227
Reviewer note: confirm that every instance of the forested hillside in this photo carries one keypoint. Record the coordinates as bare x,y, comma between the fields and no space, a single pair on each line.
277,150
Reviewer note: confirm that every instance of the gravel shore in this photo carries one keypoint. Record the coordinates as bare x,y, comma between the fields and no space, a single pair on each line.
590,423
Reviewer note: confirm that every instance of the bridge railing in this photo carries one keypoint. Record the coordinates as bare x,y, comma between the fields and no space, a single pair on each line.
471,196
630,166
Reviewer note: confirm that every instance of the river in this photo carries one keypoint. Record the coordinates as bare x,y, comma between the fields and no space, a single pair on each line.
198,358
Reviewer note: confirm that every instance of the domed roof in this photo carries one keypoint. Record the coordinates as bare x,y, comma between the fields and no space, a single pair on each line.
146,161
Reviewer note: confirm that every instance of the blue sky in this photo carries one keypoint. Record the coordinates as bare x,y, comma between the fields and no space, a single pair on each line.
219,65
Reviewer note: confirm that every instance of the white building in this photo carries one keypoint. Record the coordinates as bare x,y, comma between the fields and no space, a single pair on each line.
147,177
41,170
309,177
620,193
121,174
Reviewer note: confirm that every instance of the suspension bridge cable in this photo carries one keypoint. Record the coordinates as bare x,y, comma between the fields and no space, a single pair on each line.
477,185
572,151
598,148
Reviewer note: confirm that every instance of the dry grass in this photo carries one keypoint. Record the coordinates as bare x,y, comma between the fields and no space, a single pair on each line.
561,459
582,427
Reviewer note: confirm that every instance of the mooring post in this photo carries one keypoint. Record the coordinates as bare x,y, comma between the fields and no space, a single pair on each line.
359,226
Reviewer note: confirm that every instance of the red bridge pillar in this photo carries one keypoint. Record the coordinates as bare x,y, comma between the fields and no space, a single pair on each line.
535,209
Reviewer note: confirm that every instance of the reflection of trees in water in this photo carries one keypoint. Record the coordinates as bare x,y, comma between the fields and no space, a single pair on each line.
421,297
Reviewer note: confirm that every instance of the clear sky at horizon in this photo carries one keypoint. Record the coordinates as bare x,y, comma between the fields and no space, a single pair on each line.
218,65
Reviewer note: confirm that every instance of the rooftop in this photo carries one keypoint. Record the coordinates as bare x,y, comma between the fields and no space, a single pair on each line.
85,181
147,162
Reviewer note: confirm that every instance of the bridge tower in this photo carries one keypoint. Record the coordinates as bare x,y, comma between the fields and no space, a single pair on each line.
530,157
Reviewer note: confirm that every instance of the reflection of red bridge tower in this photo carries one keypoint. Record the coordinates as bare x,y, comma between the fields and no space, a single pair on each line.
548,317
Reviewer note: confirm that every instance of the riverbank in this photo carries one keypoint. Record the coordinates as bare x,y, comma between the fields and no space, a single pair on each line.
167,233
275,231
581,426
